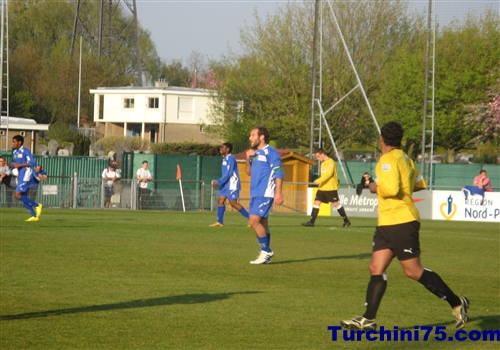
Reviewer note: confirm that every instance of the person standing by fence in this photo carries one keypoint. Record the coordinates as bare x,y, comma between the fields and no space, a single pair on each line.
110,175
144,176
38,175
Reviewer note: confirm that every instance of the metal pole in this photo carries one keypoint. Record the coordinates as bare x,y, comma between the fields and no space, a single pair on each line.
79,85
426,87
313,94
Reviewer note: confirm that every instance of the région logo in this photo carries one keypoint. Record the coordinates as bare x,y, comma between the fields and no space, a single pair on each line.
450,210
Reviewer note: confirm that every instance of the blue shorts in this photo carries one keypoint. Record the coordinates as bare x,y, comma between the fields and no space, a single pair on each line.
22,187
230,194
261,206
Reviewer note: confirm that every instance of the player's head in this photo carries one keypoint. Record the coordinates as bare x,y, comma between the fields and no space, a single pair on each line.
482,173
17,141
320,154
392,134
144,164
38,168
226,148
259,136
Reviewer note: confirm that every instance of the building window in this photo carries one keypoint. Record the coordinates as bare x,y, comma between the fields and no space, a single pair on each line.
153,102
186,108
134,129
128,103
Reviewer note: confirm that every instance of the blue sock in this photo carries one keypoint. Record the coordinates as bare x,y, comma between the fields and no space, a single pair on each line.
26,202
264,243
220,214
29,201
244,212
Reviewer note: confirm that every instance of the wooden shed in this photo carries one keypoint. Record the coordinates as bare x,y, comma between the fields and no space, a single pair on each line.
296,169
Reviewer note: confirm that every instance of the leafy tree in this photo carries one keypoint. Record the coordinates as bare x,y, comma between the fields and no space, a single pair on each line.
270,83
175,74
44,75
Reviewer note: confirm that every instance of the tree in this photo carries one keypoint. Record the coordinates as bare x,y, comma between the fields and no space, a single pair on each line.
44,76
271,82
175,74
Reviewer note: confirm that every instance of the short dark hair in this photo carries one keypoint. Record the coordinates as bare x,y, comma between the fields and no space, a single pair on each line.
19,138
392,133
482,171
320,151
228,145
144,161
262,130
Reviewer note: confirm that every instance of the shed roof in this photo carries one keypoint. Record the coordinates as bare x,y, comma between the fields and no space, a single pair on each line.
284,154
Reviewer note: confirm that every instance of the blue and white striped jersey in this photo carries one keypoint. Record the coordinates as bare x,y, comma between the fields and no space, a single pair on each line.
266,168
230,180
23,156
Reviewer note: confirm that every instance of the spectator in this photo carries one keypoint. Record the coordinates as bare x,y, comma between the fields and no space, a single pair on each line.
144,176
6,176
366,179
38,175
480,185
110,175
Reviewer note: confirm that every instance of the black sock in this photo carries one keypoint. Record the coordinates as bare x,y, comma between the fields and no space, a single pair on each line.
438,287
374,294
342,213
314,215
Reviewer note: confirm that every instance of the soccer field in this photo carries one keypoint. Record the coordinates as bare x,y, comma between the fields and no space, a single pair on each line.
81,279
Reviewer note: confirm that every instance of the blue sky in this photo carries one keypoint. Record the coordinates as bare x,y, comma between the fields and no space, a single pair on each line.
179,27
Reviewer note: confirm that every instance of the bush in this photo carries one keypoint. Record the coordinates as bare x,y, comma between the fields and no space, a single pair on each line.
185,148
130,143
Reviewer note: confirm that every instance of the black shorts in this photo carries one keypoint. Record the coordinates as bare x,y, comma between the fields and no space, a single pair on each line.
327,196
402,239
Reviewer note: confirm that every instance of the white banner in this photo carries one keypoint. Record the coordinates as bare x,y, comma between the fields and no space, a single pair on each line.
452,205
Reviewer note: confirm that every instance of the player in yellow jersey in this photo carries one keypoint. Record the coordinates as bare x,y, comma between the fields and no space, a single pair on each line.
328,188
397,232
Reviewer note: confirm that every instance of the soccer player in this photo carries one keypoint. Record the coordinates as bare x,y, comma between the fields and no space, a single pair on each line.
229,185
23,161
328,188
263,164
397,233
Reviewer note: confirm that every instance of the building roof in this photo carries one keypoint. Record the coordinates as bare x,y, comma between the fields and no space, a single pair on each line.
15,123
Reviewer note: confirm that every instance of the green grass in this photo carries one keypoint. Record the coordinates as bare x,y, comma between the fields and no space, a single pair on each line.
156,280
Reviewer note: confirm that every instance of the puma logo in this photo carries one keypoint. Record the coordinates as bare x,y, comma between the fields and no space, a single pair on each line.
408,250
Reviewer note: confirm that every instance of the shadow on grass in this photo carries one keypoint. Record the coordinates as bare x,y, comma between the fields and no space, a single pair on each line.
133,304
485,322
336,257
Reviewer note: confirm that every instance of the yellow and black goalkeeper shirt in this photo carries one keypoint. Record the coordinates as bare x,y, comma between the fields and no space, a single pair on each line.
328,179
396,179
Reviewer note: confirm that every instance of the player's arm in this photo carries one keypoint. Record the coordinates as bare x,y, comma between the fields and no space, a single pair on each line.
248,164
419,180
43,177
388,180
227,172
326,173
279,175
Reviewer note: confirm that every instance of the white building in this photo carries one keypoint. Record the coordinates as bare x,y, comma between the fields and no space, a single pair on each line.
159,114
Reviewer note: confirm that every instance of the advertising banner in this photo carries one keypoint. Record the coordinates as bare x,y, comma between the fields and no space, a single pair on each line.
452,205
